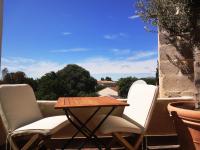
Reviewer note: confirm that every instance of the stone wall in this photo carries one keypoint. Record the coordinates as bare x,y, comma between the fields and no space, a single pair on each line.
175,66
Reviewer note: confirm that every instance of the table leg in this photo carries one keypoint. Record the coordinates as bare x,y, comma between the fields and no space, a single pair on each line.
83,125
92,134
84,129
76,126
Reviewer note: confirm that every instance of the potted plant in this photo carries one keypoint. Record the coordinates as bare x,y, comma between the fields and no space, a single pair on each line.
187,123
180,20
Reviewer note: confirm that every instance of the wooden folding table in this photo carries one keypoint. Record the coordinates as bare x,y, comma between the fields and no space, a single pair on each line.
68,103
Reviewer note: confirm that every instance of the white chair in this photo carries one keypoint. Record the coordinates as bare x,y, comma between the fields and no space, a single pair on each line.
136,117
139,82
22,117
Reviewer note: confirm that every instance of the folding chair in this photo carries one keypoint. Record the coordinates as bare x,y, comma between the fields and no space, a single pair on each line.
135,118
22,117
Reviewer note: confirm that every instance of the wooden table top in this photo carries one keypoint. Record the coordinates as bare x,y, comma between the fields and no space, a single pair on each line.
78,102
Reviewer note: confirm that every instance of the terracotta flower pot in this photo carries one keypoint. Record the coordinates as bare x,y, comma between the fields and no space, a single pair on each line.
187,123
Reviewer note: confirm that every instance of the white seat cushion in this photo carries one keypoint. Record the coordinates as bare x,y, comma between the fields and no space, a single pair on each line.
141,98
43,126
116,124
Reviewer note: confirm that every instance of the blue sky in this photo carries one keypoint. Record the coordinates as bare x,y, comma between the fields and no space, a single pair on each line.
103,36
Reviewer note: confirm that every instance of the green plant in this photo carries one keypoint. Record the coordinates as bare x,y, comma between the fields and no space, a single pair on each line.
180,19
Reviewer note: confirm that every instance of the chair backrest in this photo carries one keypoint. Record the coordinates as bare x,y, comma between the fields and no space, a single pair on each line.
141,98
18,106
138,82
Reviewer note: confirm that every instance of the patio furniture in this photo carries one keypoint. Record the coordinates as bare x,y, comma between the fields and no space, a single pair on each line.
22,117
136,117
68,104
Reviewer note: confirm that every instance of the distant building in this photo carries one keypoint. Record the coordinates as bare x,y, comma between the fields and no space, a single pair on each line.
107,83
109,91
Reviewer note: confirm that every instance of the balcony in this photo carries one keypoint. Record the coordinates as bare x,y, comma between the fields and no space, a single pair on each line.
160,134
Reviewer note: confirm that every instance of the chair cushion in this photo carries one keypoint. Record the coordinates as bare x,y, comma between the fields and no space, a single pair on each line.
45,126
18,105
141,98
116,124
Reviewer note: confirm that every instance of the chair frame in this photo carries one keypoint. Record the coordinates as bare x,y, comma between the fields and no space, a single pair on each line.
34,140
134,146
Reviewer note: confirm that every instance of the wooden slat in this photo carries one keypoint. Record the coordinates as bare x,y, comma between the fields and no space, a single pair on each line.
159,147
77,102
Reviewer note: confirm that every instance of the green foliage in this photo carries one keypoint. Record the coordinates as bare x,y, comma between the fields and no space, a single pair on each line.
180,18
102,79
150,80
18,77
49,87
125,83
72,80
78,80
4,72
175,16
15,77
33,83
108,79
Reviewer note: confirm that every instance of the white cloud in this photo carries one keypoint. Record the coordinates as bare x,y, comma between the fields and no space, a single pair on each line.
32,68
109,37
96,66
107,66
69,50
131,55
66,33
134,17
142,55
114,36
118,51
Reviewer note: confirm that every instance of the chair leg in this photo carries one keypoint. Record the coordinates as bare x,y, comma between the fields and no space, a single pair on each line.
139,141
126,143
13,144
48,144
33,139
123,141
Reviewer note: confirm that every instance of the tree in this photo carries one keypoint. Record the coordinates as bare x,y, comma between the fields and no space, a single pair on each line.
102,79
108,79
72,80
180,19
19,77
4,72
50,87
149,80
15,77
124,85
77,79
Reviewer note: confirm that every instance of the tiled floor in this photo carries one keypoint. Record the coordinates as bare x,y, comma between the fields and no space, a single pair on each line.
167,143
